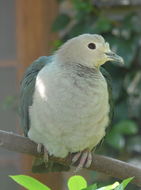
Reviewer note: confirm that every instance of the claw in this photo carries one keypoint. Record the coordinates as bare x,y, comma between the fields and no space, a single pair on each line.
89,160
39,148
85,158
76,157
46,155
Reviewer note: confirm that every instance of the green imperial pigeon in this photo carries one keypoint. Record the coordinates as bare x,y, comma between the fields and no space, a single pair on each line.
65,102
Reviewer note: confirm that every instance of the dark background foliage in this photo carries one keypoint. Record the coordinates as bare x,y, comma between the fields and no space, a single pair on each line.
122,29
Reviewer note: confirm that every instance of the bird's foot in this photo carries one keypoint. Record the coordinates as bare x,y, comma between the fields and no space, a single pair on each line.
84,158
41,147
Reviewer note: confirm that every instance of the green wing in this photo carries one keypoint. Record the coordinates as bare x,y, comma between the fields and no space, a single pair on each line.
26,100
27,90
109,84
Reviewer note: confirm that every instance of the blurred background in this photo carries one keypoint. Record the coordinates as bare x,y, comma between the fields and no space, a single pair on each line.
32,28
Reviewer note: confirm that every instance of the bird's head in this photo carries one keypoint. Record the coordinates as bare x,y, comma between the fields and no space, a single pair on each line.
90,50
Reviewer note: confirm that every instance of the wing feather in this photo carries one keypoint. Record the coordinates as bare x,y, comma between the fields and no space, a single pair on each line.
27,87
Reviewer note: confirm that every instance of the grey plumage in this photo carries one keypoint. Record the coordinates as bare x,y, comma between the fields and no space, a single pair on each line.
67,96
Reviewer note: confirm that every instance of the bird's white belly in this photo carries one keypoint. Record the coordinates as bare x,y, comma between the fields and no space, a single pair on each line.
68,115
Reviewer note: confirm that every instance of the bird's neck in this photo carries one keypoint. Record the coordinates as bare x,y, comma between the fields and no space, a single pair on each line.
75,67
80,70
84,71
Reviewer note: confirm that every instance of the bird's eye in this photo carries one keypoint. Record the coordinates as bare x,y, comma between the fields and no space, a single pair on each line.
91,46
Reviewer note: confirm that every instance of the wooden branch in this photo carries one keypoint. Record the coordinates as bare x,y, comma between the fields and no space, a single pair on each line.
109,166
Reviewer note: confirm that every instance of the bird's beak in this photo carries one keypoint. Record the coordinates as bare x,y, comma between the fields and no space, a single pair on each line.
111,56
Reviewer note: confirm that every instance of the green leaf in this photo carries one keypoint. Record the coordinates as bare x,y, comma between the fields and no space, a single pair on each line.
57,44
85,6
124,183
103,24
127,127
61,22
77,183
115,140
85,25
29,182
109,187
77,29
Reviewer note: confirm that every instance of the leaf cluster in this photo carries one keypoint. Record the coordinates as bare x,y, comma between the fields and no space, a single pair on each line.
74,183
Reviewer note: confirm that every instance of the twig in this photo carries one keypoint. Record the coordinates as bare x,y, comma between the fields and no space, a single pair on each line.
109,166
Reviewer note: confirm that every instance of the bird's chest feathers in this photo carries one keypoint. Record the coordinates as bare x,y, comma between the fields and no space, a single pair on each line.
70,106
69,97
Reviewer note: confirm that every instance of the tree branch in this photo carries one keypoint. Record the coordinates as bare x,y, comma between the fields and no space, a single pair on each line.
109,166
